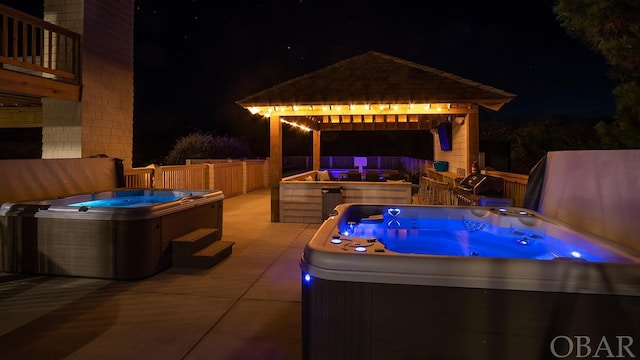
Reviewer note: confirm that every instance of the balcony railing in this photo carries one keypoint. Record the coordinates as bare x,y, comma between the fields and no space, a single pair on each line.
31,45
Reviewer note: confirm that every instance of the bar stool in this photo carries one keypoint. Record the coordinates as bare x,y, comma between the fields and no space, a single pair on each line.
423,191
440,192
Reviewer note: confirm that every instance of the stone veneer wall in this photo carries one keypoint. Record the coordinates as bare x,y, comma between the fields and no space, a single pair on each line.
102,123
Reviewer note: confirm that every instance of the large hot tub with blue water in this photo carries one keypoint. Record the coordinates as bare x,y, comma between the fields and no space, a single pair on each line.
425,282
121,234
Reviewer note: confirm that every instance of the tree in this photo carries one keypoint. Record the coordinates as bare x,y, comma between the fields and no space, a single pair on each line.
530,141
611,28
206,146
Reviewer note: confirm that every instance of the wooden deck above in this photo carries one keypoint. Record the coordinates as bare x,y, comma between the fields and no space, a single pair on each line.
37,60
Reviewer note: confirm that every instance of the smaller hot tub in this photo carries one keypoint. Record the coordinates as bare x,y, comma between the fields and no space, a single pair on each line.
119,234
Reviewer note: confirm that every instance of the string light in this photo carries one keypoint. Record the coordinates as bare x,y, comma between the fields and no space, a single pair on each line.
411,108
296,125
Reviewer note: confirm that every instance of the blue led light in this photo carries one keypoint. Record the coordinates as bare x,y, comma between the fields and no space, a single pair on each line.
336,241
393,224
393,212
576,254
307,278
360,248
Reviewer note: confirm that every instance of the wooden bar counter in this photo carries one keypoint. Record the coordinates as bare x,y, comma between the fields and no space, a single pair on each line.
301,195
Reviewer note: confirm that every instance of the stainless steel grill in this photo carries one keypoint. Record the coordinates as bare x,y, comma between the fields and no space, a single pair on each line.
481,190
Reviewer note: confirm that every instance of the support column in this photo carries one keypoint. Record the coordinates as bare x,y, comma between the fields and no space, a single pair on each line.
275,168
62,119
473,134
316,150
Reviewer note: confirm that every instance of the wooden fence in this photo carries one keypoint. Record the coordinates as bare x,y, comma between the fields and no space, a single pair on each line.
515,185
232,177
238,177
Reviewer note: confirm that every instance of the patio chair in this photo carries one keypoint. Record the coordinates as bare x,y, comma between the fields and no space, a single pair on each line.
372,175
395,177
440,192
354,175
424,192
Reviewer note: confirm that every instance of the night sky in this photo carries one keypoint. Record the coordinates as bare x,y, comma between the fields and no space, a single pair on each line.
193,61
194,58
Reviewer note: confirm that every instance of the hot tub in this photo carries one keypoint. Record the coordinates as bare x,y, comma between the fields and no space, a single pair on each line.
424,282
121,234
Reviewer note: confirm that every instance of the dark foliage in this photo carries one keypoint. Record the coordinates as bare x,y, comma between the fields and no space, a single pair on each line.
530,141
611,28
206,146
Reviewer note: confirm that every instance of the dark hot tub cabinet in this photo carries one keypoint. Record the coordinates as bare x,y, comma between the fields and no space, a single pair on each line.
56,237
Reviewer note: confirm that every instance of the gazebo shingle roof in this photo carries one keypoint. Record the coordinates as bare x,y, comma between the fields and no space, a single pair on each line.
374,77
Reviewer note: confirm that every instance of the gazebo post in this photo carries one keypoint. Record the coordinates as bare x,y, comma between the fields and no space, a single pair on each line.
275,168
316,150
473,144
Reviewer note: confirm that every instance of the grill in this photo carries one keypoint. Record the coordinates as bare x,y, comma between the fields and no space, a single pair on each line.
481,190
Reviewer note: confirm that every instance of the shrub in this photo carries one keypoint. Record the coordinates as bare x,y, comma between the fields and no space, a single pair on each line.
206,146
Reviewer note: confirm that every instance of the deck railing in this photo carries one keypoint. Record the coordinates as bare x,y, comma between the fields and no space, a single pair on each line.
139,178
232,177
237,177
29,44
181,177
515,185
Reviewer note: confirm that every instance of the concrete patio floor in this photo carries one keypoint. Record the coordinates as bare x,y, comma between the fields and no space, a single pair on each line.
246,307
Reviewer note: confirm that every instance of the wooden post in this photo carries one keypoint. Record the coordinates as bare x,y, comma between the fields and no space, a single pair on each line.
275,168
316,150
473,144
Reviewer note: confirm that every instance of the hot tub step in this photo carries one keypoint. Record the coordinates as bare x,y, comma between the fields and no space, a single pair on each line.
190,243
200,248
212,254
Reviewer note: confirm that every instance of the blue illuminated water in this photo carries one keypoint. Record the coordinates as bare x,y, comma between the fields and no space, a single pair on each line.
128,201
449,237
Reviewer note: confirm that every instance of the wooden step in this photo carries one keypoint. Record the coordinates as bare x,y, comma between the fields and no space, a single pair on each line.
212,254
200,249
193,242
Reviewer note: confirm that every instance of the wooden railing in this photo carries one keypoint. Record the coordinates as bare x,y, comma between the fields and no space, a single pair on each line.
237,177
139,178
32,45
515,185
232,177
181,177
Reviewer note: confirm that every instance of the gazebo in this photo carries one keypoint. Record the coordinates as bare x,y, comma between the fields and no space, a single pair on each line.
376,91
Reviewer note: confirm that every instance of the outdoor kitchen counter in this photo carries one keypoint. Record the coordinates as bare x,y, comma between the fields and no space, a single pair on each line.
301,201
